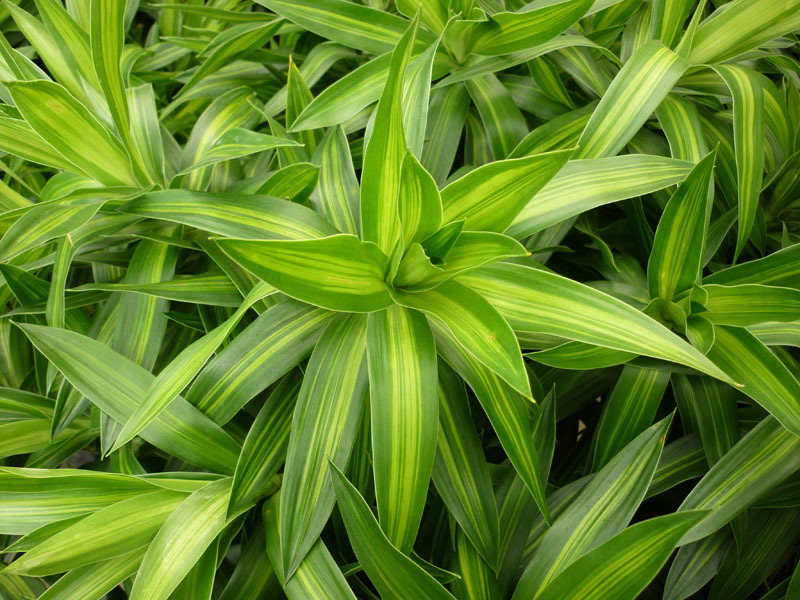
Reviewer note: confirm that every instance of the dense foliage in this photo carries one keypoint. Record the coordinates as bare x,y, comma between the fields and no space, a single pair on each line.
411,300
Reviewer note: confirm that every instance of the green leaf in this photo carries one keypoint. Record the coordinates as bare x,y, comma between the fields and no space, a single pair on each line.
394,575
384,154
238,143
72,130
680,120
252,217
642,549
275,342
779,268
477,327
339,272
461,473
695,564
491,197
419,204
743,25
507,410
106,40
116,385
757,463
19,138
264,448
355,26
507,32
676,259
631,98
603,508
527,298
471,250
446,114
766,379
33,498
323,429
337,195
230,44
216,290
181,541
344,98
175,376
110,532
628,410
293,182
748,136
770,535
503,123
401,355
585,184
317,576
145,134
43,223
750,304
94,581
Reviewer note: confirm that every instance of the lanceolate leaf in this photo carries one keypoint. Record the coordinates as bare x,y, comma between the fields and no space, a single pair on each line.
677,254
383,155
213,289
585,184
264,449
95,580
603,509
507,32
547,303
490,197
507,410
117,385
419,205
181,541
97,537
394,575
183,368
631,98
760,461
253,217
751,304
461,473
271,345
748,135
323,428
72,130
338,272
318,575
477,327
629,410
779,268
348,23
728,33
337,194
766,379
642,548
404,414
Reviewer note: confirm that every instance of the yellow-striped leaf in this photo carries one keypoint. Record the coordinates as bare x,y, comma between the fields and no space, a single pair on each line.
339,272
394,575
323,428
404,413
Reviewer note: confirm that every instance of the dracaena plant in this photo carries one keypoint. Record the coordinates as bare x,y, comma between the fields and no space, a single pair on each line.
326,299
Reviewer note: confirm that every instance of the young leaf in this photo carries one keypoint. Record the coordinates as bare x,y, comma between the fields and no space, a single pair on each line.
676,259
